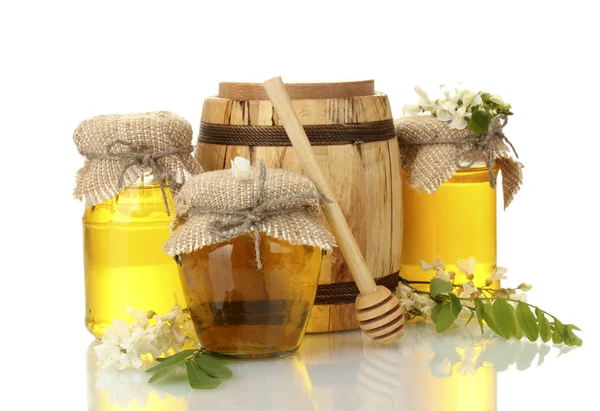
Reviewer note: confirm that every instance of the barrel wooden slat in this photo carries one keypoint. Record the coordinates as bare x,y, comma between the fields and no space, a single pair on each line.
365,177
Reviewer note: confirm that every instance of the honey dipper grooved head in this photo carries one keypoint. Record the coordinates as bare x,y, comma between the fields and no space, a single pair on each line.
380,315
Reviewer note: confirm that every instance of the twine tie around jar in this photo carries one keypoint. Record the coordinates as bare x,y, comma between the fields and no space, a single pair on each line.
248,220
140,155
482,145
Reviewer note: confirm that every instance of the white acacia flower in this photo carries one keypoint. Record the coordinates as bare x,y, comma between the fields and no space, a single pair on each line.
442,275
240,168
460,118
118,333
498,274
422,94
468,290
467,97
141,317
424,303
412,109
467,266
435,265
445,110
123,345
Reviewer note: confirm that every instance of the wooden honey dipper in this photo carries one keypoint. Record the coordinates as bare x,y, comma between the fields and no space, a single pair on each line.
378,310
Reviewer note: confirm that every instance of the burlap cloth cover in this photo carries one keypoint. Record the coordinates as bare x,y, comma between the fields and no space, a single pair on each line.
212,208
431,152
118,149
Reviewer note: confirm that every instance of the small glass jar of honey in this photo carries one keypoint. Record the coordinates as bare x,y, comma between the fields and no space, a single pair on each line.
250,252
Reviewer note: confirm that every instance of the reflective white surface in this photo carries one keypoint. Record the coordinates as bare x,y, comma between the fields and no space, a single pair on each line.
460,370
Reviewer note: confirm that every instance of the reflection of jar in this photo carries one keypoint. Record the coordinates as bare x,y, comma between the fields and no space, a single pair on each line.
240,310
455,222
125,265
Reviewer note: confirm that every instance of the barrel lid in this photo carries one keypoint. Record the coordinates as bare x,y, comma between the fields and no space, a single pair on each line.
299,91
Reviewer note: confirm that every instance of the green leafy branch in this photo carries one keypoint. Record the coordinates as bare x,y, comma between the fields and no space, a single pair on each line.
495,311
203,371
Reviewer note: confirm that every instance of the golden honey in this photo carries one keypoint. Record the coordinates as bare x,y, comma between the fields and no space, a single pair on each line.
125,265
455,222
239,310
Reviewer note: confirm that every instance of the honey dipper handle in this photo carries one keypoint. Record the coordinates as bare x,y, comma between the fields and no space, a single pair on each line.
278,95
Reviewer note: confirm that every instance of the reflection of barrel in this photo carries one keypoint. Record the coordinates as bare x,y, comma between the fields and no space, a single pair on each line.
351,129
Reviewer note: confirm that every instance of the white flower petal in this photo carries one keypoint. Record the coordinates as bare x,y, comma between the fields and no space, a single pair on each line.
467,266
240,168
411,110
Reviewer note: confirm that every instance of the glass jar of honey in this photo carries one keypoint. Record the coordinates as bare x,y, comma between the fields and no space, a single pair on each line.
249,244
449,195
455,222
240,310
132,162
125,265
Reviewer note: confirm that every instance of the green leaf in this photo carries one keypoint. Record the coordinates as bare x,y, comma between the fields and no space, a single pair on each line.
480,121
479,310
572,339
443,317
517,331
561,330
172,361
544,324
456,305
161,374
198,379
503,314
528,321
438,286
212,366
488,316
159,359
556,337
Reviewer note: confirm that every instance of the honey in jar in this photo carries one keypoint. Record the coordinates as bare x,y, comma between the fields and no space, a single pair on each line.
239,309
125,265
455,222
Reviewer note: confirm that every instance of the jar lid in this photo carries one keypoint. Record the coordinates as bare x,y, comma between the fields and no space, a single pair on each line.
216,206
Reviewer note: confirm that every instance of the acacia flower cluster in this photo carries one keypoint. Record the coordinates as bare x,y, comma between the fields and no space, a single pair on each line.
461,107
125,345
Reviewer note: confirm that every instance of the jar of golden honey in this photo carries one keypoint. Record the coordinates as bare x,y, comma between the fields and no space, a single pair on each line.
455,222
449,196
130,160
250,251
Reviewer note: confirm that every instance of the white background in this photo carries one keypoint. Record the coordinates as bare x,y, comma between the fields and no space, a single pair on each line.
62,62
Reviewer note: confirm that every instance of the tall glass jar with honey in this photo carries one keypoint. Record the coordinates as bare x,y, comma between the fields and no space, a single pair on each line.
131,162
449,196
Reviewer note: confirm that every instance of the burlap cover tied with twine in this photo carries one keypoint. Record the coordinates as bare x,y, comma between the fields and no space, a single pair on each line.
431,152
215,207
120,148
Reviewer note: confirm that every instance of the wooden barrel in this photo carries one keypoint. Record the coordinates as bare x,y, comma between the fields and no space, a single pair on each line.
351,129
